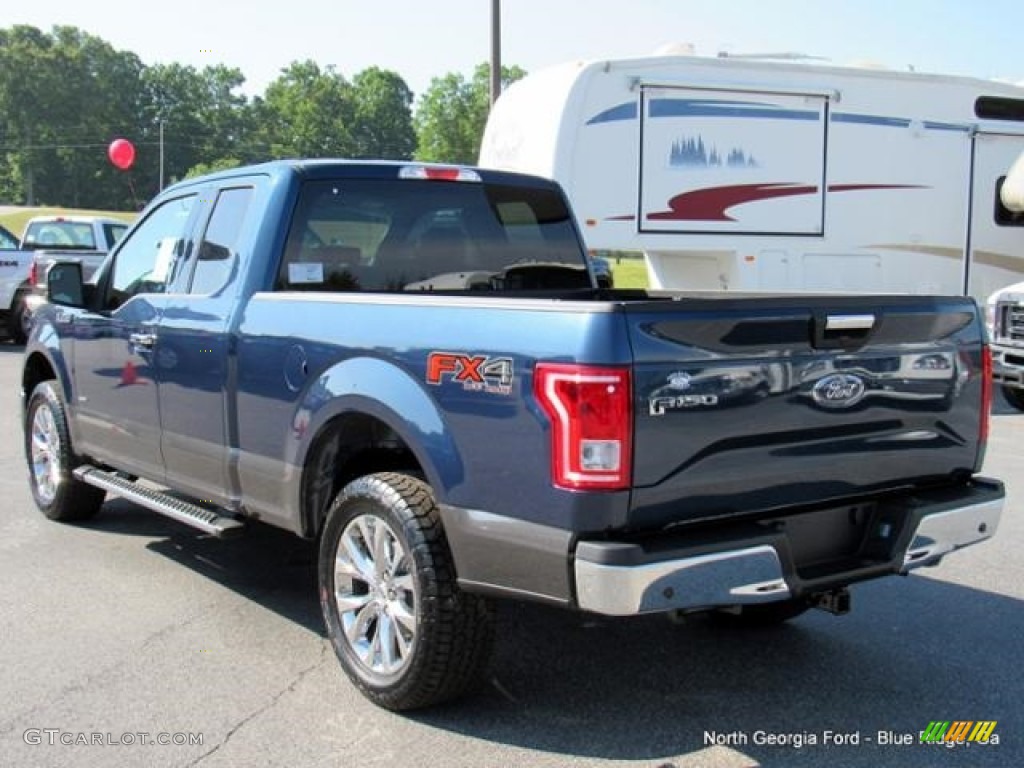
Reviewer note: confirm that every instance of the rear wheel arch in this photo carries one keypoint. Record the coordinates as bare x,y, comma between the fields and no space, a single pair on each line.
368,415
351,445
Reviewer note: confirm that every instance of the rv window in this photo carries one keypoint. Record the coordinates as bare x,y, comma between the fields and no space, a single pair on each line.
999,108
1003,215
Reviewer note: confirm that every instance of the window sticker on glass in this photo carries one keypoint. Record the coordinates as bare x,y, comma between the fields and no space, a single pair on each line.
164,258
305,272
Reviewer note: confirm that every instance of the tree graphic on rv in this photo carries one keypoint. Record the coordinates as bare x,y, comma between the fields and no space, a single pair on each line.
690,152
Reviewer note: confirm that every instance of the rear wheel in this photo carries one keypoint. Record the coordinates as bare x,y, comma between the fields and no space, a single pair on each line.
405,633
1014,397
19,320
50,460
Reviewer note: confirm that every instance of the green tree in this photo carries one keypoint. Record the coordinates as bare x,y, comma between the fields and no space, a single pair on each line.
205,119
63,97
223,164
306,112
382,116
451,116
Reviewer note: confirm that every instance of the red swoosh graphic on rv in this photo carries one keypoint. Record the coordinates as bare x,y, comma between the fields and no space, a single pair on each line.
713,203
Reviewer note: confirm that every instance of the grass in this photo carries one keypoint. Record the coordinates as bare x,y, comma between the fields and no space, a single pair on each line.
629,272
15,220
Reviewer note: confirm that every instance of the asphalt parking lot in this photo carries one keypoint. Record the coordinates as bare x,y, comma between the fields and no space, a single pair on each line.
133,629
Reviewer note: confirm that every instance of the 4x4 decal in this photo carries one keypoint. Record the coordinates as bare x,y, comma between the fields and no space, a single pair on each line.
476,373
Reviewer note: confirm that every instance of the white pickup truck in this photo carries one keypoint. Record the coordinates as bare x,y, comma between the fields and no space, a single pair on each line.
1005,311
46,239
1005,308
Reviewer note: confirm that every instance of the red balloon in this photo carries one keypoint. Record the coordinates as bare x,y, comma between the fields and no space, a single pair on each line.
121,153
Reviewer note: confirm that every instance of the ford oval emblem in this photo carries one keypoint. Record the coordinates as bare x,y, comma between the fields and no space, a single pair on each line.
840,390
679,380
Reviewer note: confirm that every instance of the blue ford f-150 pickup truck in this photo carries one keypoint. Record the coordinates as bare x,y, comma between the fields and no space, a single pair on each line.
416,365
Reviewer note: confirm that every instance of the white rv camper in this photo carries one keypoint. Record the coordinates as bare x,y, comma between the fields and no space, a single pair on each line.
1005,308
743,174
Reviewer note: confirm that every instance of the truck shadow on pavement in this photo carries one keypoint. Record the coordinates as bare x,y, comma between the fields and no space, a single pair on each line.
913,650
266,565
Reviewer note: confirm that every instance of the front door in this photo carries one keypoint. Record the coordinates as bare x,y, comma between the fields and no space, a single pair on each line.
116,401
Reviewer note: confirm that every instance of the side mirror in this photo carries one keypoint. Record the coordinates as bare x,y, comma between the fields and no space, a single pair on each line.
64,284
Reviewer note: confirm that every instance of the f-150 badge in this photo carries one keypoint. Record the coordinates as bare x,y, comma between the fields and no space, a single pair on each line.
674,395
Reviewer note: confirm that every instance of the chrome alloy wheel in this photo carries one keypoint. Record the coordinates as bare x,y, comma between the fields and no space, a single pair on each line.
375,593
45,454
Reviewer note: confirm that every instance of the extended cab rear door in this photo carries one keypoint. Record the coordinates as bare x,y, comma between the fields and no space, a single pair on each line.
194,376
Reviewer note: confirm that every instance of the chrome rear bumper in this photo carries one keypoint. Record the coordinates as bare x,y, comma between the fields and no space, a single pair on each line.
751,575
622,579
939,534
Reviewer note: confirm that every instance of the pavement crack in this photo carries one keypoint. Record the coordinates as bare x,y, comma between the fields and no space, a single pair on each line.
274,701
92,678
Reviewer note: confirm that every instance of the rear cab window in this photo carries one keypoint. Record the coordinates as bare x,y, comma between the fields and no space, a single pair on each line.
70,235
429,235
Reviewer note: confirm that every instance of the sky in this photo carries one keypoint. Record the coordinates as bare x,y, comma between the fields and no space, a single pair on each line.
422,40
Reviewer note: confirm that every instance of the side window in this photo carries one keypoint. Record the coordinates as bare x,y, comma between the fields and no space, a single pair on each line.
146,260
520,222
214,265
113,232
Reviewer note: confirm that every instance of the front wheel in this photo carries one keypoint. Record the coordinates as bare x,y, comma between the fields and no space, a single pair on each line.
50,460
405,633
1014,397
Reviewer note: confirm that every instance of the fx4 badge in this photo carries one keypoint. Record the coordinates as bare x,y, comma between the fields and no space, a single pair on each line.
840,390
476,373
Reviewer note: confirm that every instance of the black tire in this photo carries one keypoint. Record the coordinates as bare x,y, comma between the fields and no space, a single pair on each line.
50,460
432,640
1014,397
760,615
18,322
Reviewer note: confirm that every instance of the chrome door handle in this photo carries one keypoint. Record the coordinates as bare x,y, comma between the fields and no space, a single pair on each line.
147,340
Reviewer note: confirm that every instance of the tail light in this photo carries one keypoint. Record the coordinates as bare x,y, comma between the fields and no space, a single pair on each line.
591,424
33,279
438,173
986,398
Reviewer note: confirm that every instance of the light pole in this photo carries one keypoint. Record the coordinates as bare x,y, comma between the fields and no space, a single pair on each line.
495,50
161,155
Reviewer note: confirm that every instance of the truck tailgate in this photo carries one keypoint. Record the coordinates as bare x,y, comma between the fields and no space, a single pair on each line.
749,404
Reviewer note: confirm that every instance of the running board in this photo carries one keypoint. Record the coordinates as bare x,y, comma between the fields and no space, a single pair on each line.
183,511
